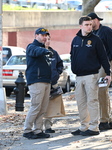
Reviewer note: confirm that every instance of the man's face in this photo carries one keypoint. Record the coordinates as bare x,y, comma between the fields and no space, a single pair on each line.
86,27
47,43
95,23
41,38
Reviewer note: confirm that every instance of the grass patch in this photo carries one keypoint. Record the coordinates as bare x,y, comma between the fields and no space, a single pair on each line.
7,7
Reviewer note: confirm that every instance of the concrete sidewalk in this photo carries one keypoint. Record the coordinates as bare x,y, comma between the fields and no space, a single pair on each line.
11,130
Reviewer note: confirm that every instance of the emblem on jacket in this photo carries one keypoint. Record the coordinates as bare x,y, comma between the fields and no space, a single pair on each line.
75,45
89,43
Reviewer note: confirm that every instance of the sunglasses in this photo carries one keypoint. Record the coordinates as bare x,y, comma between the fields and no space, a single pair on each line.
44,30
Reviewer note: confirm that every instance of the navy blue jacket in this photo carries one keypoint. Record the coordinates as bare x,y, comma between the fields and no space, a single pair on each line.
56,66
105,34
87,55
38,64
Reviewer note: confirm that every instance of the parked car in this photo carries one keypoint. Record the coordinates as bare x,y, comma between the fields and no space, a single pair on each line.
48,4
16,64
73,4
103,6
69,4
67,65
109,7
79,8
6,1
42,4
8,51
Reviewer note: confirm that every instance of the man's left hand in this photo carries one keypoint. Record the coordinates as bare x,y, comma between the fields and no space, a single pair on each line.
108,78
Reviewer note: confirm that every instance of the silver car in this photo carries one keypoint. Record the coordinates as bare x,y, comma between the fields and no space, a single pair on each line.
67,65
16,64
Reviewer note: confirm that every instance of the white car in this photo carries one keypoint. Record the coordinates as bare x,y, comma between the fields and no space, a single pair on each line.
8,51
103,5
67,65
16,64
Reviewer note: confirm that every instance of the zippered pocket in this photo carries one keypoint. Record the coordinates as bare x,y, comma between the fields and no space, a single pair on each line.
38,73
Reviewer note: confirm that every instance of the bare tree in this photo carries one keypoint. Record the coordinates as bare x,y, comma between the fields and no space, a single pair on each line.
88,6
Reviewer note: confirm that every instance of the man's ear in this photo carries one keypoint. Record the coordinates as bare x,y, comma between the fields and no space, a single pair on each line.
36,35
80,26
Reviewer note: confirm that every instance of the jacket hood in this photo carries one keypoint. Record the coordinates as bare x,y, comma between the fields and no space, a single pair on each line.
79,33
37,43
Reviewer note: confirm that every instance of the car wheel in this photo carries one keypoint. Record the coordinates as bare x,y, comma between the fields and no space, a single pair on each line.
67,87
8,91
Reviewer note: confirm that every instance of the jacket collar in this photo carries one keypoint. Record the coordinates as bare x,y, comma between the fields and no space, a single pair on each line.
80,34
95,31
37,43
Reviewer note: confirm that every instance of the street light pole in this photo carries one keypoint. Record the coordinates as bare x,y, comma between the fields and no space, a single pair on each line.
3,109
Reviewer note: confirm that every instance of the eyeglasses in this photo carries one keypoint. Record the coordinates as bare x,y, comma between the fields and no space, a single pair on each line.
44,30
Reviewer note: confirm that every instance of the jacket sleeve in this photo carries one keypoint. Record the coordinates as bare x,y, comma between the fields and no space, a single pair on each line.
36,51
108,41
103,56
71,48
72,55
59,64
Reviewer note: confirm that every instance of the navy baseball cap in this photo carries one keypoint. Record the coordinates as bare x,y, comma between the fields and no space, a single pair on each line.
42,31
93,16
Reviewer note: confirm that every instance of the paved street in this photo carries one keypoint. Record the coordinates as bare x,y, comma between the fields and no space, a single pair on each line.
11,130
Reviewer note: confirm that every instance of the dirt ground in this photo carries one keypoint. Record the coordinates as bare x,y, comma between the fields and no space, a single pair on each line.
11,130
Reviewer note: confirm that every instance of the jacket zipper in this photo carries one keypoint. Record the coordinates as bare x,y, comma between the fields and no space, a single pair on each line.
82,42
38,73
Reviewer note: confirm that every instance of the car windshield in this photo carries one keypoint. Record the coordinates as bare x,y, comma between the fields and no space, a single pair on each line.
6,54
17,60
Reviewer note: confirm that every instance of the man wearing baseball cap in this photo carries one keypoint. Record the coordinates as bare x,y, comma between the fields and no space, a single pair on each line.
94,15
105,34
38,76
41,31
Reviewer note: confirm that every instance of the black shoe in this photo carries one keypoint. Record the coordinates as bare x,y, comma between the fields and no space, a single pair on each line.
104,126
89,133
110,125
77,132
42,135
49,131
30,135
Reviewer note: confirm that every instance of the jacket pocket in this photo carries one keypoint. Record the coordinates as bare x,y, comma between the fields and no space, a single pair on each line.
34,94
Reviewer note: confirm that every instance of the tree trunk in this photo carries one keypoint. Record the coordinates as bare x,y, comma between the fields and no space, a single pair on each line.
88,6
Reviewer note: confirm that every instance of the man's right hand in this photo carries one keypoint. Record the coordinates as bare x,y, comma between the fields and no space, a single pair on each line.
50,54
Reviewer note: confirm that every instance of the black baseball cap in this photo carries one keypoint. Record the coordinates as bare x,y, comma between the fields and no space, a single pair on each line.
42,31
93,16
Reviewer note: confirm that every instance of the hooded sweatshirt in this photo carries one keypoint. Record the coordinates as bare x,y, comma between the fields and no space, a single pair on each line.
87,55
38,64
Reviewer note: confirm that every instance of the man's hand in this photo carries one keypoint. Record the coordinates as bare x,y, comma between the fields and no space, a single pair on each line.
108,78
50,54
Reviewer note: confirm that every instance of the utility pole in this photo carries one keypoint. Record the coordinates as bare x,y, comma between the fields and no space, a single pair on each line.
3,109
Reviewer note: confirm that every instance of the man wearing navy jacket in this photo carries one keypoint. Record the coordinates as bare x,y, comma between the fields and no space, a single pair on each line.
38,76
105,34
56,70
87,56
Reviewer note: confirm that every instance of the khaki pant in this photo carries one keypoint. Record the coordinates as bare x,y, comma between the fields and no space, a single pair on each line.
48,121
104,100
39,93
87,100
